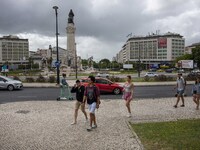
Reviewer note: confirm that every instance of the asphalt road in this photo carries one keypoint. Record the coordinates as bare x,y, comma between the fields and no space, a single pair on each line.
43,94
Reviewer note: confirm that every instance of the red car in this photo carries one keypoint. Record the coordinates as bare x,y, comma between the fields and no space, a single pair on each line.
105,85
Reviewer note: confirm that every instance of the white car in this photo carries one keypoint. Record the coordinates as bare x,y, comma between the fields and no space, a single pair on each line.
151,74
10,84
103,75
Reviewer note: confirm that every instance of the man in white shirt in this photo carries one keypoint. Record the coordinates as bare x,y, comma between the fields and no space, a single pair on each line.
180,90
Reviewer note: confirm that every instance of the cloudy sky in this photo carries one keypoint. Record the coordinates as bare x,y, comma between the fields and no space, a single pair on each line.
101,25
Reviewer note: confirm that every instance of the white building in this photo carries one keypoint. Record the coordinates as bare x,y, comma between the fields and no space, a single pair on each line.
152,49
188,49
13,50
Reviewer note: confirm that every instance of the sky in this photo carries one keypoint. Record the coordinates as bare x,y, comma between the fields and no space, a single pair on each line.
102,26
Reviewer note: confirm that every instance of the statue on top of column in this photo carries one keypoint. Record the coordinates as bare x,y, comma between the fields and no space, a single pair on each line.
71,17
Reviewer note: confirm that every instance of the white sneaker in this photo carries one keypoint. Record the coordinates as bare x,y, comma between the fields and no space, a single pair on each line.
94,126
86,120
89,129
73,123
129,115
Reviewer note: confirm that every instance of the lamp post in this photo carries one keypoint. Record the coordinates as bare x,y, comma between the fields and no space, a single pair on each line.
57,64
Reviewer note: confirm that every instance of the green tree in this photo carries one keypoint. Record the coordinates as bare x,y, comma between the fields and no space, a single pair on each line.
184,57
196,55
104,63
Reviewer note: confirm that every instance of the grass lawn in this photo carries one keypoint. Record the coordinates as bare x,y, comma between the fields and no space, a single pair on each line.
179,135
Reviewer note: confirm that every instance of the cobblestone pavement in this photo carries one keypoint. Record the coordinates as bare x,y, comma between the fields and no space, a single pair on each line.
46,125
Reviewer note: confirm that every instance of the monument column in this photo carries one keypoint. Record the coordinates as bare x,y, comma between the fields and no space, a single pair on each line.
71,45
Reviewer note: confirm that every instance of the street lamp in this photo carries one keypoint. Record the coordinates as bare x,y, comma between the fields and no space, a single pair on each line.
57,64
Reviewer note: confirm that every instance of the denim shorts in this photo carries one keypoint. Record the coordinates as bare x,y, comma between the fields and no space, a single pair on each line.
180,92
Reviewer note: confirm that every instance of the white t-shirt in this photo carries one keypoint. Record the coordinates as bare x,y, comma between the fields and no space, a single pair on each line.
181,83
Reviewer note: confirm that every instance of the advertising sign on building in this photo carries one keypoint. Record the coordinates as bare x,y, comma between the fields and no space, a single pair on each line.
186,64
127,66
162,42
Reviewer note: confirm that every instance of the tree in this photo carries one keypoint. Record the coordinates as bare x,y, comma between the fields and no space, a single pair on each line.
184,57
196,55
104,63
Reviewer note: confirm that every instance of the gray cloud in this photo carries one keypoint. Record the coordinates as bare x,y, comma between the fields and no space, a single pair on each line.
108,22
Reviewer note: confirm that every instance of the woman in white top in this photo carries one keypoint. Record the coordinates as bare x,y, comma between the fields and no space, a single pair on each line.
128,93
196,92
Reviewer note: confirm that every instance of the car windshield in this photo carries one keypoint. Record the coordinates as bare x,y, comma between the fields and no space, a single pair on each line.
8,79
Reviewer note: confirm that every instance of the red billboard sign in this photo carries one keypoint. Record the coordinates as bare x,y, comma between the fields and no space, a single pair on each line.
162,42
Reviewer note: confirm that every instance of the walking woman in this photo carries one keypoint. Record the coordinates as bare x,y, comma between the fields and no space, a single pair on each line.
128,93
196,92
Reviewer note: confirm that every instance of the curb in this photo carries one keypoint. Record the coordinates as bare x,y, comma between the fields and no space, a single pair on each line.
135,136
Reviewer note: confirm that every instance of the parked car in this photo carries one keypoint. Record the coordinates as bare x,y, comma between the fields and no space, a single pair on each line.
168,70
103,75
10,84
105,85
153,70
181,71
151,74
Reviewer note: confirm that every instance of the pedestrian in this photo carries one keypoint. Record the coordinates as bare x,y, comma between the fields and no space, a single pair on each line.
92,96
180,86
79,90
128,89
196,92
64,87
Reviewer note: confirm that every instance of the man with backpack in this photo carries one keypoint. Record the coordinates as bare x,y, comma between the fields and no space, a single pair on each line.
92,96
180,90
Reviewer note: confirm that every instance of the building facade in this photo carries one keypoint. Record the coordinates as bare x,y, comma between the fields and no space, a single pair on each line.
152,49
13,50
188,49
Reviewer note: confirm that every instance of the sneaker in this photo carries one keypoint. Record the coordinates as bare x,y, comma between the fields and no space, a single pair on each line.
182,105
129,115
86,120
89,129
94,126
175,106
73,123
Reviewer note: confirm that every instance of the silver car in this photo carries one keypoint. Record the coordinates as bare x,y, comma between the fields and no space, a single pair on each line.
10,84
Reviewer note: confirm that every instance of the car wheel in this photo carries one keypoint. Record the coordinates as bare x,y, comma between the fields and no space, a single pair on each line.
10,87
116,91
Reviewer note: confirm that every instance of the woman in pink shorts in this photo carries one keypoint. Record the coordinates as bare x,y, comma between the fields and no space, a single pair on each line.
128,93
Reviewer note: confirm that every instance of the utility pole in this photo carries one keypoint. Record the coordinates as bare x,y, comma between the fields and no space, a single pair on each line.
58,63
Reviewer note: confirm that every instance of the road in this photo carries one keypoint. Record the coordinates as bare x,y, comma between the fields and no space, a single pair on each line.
43,94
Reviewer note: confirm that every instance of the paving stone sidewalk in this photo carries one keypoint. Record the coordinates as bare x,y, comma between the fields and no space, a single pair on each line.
45,125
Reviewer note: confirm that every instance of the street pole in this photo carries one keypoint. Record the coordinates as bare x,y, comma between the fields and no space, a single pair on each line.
58,64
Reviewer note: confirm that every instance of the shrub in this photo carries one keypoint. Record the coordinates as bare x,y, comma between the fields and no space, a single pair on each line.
40,79
116,79
52,79
16,78
146,78
160,78
29,79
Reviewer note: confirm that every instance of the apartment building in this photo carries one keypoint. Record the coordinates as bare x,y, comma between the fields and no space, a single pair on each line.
152,49
13,50
188,49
